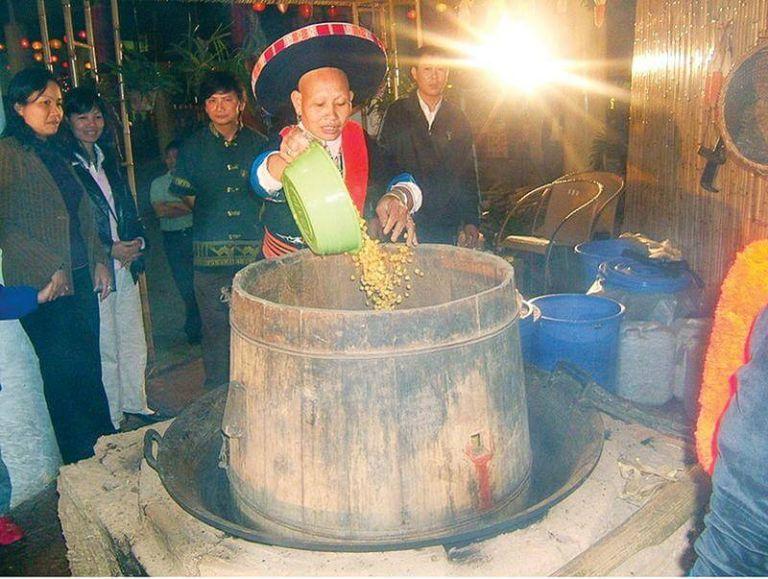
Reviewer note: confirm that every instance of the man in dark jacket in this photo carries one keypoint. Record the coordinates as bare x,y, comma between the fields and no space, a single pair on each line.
431,139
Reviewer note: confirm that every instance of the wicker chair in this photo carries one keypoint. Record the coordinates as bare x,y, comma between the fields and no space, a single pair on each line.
564,214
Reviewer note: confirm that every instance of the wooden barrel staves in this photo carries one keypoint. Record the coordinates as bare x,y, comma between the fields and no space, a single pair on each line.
354,424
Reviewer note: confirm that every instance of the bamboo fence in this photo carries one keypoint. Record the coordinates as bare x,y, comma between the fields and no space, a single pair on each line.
670,119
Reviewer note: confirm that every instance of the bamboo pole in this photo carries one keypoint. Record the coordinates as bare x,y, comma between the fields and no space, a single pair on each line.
129,165
69,30
393,49
43,17
356,22
91,38
419,29
383,34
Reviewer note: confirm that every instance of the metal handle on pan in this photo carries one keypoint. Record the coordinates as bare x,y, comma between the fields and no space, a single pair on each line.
151,436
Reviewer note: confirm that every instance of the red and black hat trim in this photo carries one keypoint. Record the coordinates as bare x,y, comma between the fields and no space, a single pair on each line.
348,47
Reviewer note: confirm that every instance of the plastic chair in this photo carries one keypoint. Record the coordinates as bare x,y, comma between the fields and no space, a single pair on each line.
565,213
610,203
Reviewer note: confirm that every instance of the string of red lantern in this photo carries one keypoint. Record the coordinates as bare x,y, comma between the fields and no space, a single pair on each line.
332,12
305,11
54,43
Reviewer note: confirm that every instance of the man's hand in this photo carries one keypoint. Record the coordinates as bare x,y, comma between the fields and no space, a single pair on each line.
126,252
102,281
394,219
469,236
294,143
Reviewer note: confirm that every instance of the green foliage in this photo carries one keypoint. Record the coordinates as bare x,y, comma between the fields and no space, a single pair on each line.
143,75
380,102
197,56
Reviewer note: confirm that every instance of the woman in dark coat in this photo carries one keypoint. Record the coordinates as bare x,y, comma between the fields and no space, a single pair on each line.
95,158
47,234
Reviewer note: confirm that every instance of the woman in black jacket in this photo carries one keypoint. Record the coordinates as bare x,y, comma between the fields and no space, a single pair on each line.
96,161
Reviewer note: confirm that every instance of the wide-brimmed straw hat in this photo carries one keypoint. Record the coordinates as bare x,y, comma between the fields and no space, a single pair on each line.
353,49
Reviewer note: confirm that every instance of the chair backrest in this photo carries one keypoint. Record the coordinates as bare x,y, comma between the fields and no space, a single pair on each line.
610,202
570,211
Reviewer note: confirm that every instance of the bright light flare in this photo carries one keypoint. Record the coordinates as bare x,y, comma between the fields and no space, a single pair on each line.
517,56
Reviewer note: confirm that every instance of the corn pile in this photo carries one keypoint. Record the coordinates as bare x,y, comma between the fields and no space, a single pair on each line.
382,273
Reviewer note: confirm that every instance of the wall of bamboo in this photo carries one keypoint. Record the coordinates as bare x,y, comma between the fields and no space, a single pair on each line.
669,120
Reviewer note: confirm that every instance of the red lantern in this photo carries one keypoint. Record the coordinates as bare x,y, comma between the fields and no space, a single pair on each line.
54,58
64,64
82,35
65,39
37,45
24,42
55,43
2,47
441,7
411,14
333,12
282,7
38,56
305,11
259,6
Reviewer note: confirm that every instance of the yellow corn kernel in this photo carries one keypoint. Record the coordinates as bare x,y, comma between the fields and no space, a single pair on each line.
381,270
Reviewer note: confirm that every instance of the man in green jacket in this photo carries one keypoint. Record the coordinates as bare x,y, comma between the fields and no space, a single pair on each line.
212,178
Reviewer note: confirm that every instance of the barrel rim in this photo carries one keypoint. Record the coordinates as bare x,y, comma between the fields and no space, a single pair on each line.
543,316
508,280
587,247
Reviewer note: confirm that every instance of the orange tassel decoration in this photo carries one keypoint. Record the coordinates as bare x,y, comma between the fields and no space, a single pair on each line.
743,295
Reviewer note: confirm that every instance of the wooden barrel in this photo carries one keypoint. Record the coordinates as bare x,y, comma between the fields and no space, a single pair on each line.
355,424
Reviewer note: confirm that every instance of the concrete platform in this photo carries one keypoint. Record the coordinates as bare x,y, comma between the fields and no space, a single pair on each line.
118,519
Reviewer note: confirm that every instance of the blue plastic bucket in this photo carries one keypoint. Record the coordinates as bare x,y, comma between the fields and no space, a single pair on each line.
529,316
580,329
593,253
638,277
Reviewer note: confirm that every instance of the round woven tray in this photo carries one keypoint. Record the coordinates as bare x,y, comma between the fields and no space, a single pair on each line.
743,110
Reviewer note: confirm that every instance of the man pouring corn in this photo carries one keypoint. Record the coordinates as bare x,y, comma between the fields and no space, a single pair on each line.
323,69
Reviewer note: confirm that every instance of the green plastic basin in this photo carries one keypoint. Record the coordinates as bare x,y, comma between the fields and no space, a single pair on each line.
320,203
